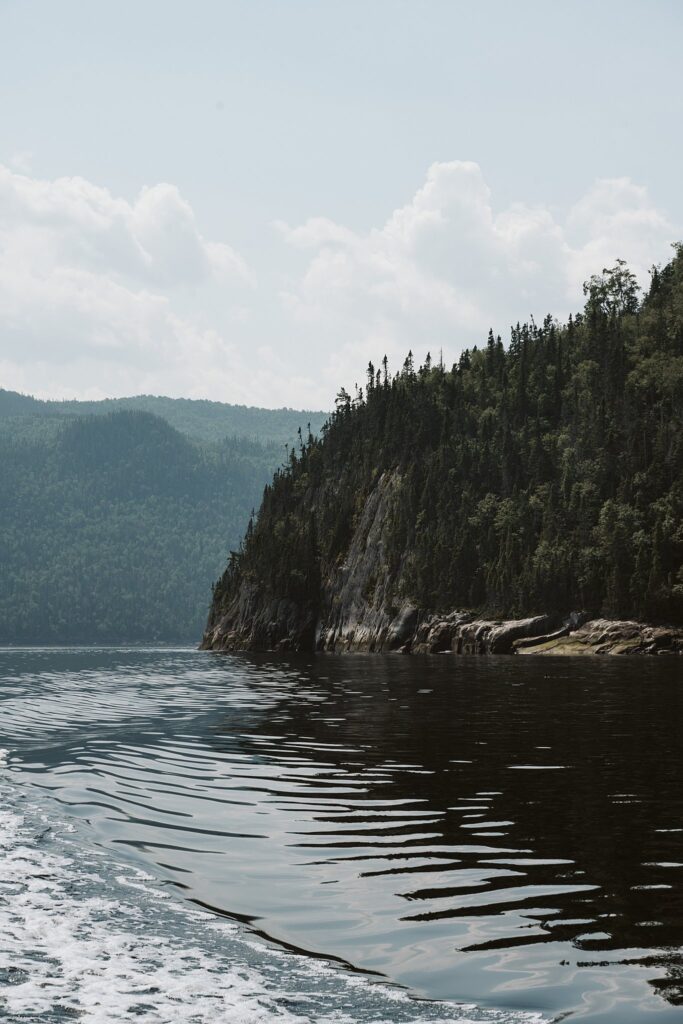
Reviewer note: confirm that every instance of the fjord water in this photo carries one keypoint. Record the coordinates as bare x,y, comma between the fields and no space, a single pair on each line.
502,832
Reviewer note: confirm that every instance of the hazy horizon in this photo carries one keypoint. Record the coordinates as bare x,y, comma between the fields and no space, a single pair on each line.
248,201
177,398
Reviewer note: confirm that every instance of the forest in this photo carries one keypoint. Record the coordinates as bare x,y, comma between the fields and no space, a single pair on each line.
542,475
198,418
112,525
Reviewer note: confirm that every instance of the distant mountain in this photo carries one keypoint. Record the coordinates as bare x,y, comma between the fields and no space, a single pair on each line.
112,525
200,418
524,483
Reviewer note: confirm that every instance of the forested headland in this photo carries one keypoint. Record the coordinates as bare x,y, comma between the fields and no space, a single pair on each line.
113,523
542,475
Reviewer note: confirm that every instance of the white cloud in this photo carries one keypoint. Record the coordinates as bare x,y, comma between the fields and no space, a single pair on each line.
89,285
71,222
100,295
447,266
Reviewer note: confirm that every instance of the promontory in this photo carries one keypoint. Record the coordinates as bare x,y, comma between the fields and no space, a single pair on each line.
527,499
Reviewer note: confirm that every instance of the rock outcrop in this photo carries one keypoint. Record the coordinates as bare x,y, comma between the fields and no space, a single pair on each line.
607,636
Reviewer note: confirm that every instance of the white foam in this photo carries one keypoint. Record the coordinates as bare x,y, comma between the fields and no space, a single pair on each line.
80,935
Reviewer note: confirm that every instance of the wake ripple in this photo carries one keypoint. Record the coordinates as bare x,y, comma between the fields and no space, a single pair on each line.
83,937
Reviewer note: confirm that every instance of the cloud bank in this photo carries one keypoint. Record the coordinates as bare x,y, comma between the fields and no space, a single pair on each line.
102,296
89,285
447,266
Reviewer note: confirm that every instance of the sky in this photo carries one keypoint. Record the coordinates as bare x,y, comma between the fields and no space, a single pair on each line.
248,200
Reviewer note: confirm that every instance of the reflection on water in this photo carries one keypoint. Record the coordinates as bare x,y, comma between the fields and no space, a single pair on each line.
498,830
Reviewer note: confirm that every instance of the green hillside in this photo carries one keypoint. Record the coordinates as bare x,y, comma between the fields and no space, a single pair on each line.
207,421
112,526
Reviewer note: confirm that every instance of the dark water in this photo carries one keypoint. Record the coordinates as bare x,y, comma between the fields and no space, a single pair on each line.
505,832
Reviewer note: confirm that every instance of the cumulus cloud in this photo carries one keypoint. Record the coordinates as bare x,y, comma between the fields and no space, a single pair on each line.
447,265
72,223
102,295
89,285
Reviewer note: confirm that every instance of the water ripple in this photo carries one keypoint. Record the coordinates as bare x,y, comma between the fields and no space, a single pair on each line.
472,845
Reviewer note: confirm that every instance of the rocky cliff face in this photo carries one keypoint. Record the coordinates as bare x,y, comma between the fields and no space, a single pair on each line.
354,611
358,610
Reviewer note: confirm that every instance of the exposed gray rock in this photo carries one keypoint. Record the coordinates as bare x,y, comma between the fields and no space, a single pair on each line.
402,629
251,624
610,636
483,636
501,638
535,641
358,611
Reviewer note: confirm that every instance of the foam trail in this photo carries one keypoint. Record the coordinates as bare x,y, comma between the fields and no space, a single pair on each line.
82,936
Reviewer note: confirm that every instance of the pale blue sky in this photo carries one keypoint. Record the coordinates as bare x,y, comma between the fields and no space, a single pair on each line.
261,111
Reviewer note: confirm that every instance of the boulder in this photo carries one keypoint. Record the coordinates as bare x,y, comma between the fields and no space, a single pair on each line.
501,638
402,627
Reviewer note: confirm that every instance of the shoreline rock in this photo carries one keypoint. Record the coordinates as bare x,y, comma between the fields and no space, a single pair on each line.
276,628
610,636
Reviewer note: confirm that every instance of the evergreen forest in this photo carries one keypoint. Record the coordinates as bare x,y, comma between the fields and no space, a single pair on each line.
113,524
542,475
196,417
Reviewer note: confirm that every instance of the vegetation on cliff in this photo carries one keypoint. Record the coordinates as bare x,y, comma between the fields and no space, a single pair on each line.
544,476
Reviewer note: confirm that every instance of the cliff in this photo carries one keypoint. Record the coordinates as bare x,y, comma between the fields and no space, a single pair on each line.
527,499
357,612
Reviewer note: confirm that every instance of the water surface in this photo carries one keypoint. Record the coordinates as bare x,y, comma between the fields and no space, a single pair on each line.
502,832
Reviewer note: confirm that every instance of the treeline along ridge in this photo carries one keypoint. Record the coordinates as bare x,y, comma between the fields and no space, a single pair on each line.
545,476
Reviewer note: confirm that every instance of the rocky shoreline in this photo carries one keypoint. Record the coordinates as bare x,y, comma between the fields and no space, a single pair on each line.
285,627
